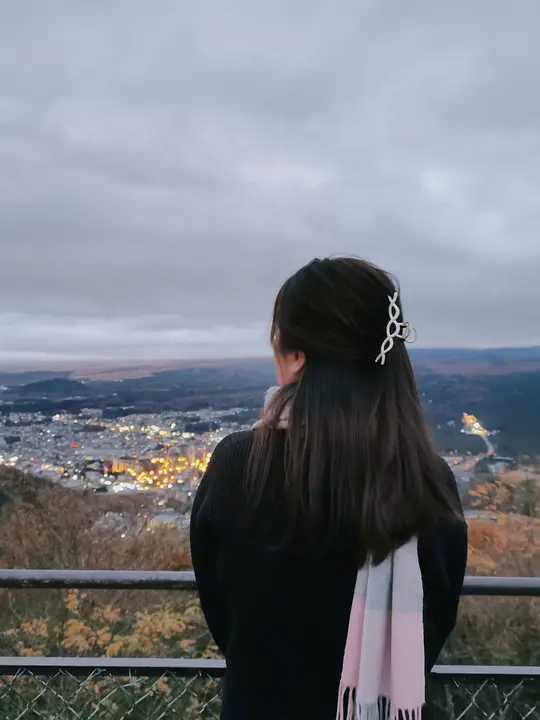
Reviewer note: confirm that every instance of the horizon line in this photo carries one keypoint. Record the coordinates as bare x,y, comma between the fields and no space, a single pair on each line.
67,363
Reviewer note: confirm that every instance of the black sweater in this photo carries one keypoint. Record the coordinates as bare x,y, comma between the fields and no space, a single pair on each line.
281,621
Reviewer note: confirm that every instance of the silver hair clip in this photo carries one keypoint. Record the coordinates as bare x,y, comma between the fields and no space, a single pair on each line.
394,329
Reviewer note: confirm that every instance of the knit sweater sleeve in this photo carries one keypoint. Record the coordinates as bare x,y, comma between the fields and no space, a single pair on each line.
205,546
442,555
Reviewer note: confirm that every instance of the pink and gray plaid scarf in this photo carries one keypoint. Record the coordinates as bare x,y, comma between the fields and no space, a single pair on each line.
382,676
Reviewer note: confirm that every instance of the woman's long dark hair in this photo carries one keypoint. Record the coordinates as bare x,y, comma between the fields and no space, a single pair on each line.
360,466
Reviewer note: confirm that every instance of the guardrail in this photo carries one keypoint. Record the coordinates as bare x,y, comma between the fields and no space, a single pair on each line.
185,580
463,692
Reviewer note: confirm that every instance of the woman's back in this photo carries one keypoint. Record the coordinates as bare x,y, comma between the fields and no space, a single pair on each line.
279,616
318,575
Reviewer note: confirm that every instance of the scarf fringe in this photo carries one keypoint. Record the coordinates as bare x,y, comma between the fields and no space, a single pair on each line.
380,710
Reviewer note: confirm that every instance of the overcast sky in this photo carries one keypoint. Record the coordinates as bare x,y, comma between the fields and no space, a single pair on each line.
164,167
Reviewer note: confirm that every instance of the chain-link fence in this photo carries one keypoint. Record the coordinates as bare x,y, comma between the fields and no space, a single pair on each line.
491,698
102,696
63,695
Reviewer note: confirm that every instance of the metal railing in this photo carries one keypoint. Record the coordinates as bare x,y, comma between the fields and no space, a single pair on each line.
161,688
185,580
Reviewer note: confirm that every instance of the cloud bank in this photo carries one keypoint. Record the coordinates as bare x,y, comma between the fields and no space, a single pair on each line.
165,170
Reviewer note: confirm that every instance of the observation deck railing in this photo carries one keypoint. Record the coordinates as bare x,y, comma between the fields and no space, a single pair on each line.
161,688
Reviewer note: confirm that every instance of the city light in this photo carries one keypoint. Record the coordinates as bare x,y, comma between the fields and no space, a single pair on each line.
167,471
473,426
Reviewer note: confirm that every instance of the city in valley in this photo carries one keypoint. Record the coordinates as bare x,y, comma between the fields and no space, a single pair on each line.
154,434
151,453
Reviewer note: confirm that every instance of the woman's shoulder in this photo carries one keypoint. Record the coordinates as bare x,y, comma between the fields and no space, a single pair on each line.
219,480
446,470
228,458
232,445
448,481
443,543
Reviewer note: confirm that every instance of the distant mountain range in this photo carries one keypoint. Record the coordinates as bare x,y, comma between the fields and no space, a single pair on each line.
467,361
501,386
460,361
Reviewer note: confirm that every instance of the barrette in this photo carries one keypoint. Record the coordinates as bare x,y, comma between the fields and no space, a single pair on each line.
394,329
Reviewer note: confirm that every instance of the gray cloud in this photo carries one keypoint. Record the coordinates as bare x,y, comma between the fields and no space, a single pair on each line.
165,169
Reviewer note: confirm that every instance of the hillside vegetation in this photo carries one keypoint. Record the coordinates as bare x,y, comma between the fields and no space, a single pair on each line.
43,525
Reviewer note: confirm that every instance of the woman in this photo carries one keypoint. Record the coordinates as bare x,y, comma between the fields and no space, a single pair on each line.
328,541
